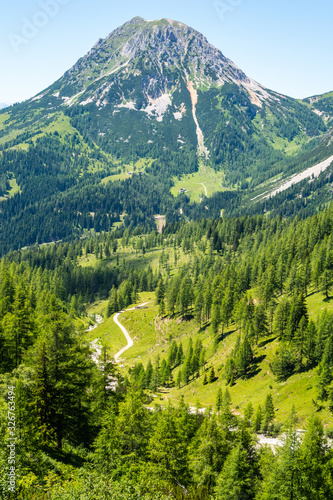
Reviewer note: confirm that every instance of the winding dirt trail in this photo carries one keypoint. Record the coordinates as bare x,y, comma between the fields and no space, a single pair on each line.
202,184
130,342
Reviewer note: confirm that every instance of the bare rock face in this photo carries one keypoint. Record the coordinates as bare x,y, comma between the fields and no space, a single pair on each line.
156,85
159,69
158,55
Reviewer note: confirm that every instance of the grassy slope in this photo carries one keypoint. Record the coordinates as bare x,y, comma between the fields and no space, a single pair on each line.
153,335
138,166
299,390
213,181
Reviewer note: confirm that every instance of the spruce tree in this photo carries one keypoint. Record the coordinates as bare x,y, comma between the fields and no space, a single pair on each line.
257,421
237,479
211,376
219,398
269,412
167,452
314,457
208,453
248,414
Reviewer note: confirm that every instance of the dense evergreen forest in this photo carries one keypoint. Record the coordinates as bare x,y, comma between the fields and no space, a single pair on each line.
60,197
79,437
58,177
143,186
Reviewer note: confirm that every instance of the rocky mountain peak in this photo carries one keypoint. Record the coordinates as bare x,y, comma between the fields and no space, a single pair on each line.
161,47
160,69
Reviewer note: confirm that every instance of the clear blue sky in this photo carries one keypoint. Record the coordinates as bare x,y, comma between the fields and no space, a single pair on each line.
285,45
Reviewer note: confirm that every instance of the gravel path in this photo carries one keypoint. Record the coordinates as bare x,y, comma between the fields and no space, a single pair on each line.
202,184
125,332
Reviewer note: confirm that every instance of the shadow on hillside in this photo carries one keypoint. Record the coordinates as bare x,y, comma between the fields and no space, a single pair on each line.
267,341
254,368
312,293
223,336
179,317
65,457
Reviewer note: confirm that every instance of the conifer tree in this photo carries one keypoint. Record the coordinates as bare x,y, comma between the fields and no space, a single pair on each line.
180,355
248,414
269,412
209,451
133,425
179,379
215,320
166,451
283,480
260,322
198,308
314,457
237,478
257,421
113,304
326,282
160,292
61,380
211,377
219,399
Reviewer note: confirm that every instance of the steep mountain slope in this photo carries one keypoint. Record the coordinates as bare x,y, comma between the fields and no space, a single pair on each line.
322,106
161,84
158,99
156,69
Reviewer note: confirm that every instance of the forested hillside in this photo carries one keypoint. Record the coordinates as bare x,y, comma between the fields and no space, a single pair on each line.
227,295
166,280
150,115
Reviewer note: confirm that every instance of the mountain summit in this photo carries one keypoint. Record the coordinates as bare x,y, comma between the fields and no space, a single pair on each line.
153,97
156,68
160,48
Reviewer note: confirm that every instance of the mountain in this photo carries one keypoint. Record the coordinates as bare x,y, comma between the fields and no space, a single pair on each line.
155,69
140,158
153,97
322,106
178,89
4,105
228,325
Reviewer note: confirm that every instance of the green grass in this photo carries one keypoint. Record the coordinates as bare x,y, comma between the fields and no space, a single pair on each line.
138,166
115,177
10,136
108,333
140,324
213,181
14,188
111,336
137,261
60,124
153,335
299,390
317,303
3,118
23,146
277,142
